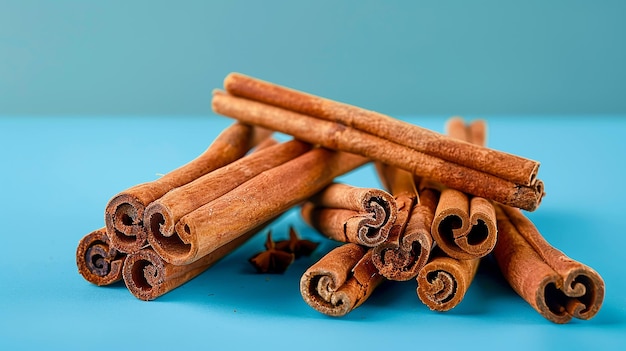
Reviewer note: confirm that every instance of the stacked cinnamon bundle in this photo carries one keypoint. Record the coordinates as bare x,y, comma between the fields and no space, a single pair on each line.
161,234
450,201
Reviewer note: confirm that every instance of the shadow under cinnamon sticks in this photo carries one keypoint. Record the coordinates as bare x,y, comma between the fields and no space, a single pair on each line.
124,213
556,286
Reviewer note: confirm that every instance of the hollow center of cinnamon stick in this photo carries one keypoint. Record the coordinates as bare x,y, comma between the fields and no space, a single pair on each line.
478,234
140,276
172,244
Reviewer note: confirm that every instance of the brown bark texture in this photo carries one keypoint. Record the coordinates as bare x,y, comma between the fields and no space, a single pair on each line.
97,261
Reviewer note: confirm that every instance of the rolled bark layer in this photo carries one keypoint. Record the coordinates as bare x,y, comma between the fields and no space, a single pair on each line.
443,281
556,286
162,215
340,281
465,227
351,214
97,261
263,197
340,137
406,251
124,213
148,276
503,165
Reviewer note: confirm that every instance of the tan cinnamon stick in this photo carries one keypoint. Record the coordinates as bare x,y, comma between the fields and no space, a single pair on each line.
503,165
409,243
339,137
340,281
464,227
97,261
351,214
162,215
255,201
556,286
443,281
147,276
125,211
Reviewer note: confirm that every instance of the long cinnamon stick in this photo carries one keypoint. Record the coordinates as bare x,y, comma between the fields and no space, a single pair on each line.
339,137
503,165
162,215
125,211
406,250
444,280
255,201
351,214
97,261
464,228
556,286
340,281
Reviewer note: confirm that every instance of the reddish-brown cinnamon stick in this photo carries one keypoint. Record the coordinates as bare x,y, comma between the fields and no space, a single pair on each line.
409,244
125,211
443,281
339,137
351,214
556,286
148,276
463,227
503,165
97,261
162,215
340,281
255,201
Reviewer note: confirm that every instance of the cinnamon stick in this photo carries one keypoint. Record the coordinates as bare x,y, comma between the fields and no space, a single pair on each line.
556,286
162,215
97,261
340,281
125,211
147,275
351,214
339,137
503,165
408,247
464,227
443,281
255,201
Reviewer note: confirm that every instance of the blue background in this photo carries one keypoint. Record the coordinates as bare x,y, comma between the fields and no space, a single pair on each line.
98,96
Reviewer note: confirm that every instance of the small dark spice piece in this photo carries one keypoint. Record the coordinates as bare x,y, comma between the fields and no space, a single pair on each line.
272,260
299,247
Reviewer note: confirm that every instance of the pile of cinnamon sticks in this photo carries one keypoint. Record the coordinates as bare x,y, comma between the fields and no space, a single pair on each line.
448,202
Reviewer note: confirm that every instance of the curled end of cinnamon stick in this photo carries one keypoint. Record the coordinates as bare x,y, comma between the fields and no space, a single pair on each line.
162,234
143,274
340,281
124,222
579,296
443,282
97,261
464,228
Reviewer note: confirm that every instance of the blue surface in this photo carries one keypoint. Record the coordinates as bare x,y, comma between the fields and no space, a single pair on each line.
59,172
402,57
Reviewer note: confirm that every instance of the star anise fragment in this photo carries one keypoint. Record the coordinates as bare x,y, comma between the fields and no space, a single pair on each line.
272,260
299,247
